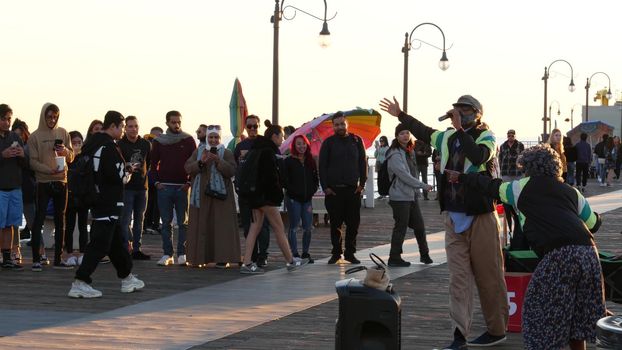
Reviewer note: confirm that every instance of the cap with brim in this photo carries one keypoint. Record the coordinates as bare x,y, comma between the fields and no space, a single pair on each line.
468,100
511,131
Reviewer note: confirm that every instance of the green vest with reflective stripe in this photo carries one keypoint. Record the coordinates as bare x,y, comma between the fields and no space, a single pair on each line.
440,141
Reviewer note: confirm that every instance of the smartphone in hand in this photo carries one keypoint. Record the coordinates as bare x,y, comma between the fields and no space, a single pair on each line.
213,150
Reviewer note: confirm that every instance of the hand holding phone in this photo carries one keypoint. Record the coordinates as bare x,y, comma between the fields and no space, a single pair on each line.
213,150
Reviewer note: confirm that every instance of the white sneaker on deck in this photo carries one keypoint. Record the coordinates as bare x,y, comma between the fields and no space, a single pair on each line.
131,284
166,260
81,289
181,260
72,261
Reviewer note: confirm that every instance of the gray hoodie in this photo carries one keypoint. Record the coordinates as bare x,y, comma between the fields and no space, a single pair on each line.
405,183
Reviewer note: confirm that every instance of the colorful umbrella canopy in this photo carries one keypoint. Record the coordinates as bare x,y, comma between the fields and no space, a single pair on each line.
238,111
594,130
364,123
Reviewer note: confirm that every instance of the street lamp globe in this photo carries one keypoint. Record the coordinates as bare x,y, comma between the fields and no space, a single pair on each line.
443,64
572,87
324,38
609,94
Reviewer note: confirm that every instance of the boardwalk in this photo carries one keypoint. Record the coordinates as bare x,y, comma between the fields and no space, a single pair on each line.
220,309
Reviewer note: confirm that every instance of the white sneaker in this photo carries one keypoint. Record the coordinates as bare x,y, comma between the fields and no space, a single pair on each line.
80,259
81,289
131,284
72,261
181,260
166,260
296,264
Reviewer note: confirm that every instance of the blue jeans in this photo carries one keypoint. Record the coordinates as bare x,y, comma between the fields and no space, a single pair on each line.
570,174
602,172
134,204
298,211
169,198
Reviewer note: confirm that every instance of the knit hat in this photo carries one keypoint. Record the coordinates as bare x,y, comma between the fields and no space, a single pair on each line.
399,128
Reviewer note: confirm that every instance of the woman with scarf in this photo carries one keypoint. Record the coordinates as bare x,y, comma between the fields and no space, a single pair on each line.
213,229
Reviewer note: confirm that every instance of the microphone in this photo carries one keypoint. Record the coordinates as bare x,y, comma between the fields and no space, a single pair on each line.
443,117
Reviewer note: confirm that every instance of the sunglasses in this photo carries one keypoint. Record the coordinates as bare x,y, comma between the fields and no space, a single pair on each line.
217,127
252,126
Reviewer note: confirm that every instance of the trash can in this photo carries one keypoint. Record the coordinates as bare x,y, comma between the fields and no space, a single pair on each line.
369,318
609,333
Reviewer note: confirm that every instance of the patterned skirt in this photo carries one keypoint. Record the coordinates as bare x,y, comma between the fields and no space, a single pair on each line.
564,299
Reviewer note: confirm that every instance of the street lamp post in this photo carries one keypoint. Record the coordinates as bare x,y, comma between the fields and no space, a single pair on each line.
277,17
550,117
443,63
571,119
587,92
571,87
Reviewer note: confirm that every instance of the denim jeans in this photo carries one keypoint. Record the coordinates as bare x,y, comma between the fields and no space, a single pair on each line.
134,204
296,212
570,174
170,198
602,172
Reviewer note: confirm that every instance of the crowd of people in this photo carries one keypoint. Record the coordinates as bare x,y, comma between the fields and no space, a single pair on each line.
166,179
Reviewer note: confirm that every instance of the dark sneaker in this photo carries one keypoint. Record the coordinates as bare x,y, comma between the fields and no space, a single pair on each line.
262,262
457,344
36,267
486,339
62,265
333,259
398,263
352,259
425,258
308,257
10,265
140,256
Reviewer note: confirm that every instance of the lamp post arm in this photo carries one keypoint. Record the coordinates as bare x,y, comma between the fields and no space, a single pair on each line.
325,19
571,69
426,23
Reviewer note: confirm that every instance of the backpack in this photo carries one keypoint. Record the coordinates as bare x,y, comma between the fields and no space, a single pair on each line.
246,174
384,183
82,182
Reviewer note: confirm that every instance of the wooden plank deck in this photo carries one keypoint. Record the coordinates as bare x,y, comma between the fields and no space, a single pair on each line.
425,320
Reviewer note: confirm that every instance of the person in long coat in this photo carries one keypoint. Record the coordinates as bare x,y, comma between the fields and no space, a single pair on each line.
213,228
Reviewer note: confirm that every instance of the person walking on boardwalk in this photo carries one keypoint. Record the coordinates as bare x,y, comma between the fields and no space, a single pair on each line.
559,225
111,174
343,173
471,228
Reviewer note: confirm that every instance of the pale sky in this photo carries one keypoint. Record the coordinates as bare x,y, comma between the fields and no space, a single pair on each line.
147,57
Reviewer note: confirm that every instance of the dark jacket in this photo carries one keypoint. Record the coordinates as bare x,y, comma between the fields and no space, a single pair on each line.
508,156
136,152
584,152
109,174
570,151
423,151
475,203
554,213
599,149
300,179
269,186
343,162
11,168
244,145
167,161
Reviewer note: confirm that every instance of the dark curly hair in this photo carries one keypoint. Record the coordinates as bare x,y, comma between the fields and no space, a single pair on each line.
541,160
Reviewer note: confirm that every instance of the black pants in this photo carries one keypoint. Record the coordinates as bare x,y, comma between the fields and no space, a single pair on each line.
511,218
407,215
57,192
260,250
344,206
152,213
70,224
583,173
106,239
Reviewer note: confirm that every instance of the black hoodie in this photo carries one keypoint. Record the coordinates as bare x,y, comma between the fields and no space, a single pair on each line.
269,185
110,175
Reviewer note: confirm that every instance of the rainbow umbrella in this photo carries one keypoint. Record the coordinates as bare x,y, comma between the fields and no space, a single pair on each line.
238,111
364,123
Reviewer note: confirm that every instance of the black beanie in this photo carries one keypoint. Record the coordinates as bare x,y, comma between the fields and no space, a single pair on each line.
399,128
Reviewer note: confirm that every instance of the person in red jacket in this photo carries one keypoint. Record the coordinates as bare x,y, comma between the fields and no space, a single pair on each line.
168,155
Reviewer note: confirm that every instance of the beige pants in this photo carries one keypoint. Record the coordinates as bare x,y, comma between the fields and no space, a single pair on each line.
474,257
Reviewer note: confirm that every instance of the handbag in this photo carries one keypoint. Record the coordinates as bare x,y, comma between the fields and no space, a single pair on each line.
214,194
376,276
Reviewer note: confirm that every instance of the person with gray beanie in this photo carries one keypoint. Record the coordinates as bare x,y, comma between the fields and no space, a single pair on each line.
559,225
